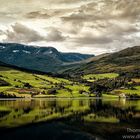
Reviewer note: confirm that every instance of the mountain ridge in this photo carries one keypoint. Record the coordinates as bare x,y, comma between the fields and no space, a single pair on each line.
126,60
46,59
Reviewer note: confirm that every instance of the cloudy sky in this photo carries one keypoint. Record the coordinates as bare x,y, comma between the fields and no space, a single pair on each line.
85,26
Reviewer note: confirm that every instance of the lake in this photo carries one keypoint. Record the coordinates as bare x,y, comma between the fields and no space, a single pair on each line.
69,119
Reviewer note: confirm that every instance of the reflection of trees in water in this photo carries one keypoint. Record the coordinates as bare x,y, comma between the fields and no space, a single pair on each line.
107,110
3,113
69,110
101,109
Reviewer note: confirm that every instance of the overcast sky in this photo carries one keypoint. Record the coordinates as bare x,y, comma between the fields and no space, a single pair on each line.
85,26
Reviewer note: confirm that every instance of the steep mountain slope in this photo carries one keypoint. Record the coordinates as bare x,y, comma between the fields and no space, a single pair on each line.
126,60
46,59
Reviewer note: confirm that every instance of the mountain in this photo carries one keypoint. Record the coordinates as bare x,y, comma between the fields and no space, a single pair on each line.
2,64
46,59
126,60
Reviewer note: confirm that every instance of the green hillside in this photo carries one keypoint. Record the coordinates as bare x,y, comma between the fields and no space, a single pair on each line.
16,83
109,75
23,84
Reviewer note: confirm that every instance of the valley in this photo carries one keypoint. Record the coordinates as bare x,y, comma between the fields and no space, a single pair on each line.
20,84
115,75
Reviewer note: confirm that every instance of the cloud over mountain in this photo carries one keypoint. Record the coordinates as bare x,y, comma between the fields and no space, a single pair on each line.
55,35
22,33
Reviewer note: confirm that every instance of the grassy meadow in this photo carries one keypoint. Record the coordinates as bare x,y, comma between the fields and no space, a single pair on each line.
27,85
94,77
40,85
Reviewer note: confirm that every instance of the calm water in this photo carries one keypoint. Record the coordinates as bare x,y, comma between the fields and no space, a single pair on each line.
69,119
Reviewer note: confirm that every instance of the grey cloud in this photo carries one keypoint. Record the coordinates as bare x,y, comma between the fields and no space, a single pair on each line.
64,1
21,33
92,40
79,17
130,9
113,20
1,32
55,35
46,13
106,10
37,14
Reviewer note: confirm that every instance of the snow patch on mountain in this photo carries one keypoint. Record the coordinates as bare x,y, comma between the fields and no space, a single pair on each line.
15,51
48,52
2,47
28,52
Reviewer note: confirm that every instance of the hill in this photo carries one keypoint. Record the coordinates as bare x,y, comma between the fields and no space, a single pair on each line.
127,60
18,82
46,59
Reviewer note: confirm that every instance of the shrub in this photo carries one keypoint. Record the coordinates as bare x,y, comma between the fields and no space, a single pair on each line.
52,91
3,83
27,85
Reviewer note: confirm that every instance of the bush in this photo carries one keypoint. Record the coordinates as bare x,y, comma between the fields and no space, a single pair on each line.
27,85
6,95
52,91
3,83
81,91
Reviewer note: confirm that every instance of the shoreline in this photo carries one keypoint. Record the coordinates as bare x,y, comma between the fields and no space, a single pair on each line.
70,98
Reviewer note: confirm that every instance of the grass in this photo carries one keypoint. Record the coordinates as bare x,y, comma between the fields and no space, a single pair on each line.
94,118
43,83
54,79
128,91
93,77
64,93
39,83
76,88
5,88
109,96
136,80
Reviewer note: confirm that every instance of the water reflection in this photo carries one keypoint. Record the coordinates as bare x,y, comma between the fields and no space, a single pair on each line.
18,112
85,114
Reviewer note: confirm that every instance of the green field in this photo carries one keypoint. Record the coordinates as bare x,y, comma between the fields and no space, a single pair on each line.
93,77
27,85
129,92
39,84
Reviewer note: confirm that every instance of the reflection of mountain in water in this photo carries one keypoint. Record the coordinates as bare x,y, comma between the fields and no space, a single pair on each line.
86,115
